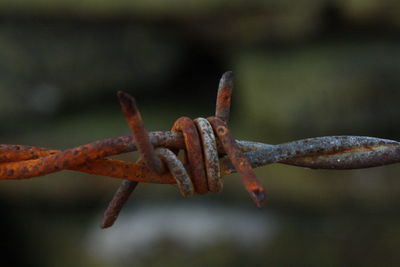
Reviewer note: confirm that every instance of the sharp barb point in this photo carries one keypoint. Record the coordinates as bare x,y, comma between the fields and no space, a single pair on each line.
128,102
226,80
258,197
330,152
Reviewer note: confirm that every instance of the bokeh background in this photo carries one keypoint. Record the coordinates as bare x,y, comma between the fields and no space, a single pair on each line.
303,69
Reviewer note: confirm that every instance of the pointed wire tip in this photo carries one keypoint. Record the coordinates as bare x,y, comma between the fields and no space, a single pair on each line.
259,197
127,102
106,224
228,75
103,226
226,79
122,95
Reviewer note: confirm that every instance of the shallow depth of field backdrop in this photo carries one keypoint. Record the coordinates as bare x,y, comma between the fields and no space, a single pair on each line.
303,69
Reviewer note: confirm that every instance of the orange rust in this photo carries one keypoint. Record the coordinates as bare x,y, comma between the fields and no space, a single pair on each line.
193,152
135,123
20,162
239,160
106,167
210,153
10,153
139,133
147,155
138,172
54,162
224,96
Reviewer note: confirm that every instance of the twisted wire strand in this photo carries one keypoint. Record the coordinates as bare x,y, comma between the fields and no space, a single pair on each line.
328,152
199,138
210,153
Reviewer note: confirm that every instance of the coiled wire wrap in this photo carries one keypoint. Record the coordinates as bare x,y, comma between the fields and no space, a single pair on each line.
211,160
201,153
205,143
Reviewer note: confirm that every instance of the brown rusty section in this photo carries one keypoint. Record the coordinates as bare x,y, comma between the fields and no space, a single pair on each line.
73,158
147,155
63,160
106,167
239,160
116,204
119,169
205,166
193,152
177,170
210,153
224,96
139,133
10,153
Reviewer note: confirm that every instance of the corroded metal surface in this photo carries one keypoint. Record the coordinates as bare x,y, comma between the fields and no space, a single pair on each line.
10,153
214,179
225,88
177,171
117,202
139,133
239,161
329,152
147,155
194,152
210,149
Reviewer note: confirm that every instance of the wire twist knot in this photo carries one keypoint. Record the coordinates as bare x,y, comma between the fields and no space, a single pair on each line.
210,151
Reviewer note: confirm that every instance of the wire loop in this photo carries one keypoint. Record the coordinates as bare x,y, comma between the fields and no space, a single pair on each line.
210,152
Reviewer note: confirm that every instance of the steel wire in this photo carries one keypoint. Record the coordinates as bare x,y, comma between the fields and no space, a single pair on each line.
210,153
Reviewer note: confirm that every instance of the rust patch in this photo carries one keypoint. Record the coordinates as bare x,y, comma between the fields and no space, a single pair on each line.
210,153
201,153
224,96
177,170
193,152
119,199
239,160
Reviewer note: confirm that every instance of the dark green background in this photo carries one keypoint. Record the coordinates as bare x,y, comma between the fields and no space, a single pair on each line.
303,69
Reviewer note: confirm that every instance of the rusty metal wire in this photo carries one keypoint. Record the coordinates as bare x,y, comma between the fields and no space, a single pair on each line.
210,153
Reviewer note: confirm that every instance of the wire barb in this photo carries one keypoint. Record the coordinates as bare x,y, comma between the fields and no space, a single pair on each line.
147,155
210,153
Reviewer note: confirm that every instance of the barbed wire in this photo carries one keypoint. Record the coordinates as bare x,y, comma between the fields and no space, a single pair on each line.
210,152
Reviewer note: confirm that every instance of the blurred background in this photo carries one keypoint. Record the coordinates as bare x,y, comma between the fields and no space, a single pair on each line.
303,69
